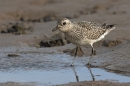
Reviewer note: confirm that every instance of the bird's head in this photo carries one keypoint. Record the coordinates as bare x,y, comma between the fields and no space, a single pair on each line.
63,24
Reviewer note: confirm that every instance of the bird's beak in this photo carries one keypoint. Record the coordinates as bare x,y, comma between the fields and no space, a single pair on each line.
56,28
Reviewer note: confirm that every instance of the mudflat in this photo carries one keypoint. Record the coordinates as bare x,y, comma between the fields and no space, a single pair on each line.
26,35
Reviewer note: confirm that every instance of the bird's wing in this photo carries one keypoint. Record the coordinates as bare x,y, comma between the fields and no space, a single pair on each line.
88,25
91,30
94,33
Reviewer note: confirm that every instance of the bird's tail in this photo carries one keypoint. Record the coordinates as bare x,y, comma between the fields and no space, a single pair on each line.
108,27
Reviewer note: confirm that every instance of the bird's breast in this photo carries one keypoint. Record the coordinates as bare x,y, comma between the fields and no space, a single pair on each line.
77,39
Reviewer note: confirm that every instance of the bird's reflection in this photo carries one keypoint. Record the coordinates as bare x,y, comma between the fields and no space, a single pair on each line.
76,76
93,78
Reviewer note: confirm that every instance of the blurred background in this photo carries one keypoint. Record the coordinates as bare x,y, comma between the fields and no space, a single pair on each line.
36,18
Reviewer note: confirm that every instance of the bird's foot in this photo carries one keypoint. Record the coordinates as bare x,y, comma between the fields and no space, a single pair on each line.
71,65
89,65
93,53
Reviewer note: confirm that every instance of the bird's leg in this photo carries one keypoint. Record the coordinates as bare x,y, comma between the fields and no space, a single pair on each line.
89,65
92,53
77,78
74,56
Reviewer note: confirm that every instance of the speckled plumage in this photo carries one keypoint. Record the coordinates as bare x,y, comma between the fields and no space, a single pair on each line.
87,30
83,32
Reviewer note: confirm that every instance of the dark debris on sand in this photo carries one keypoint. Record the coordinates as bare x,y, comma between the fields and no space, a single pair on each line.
57,42
46,18
17,29
13,55
110,43
54,40
43,19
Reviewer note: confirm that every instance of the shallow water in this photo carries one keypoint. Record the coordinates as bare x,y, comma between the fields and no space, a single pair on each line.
60,76
52,69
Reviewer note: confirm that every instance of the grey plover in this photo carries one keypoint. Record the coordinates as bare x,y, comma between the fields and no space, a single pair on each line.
83,32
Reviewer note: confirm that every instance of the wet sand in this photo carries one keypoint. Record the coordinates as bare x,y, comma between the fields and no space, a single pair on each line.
25,23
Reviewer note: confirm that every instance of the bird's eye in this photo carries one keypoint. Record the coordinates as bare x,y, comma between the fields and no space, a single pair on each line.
64,23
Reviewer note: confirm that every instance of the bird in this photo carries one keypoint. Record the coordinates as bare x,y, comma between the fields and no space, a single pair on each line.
83,33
